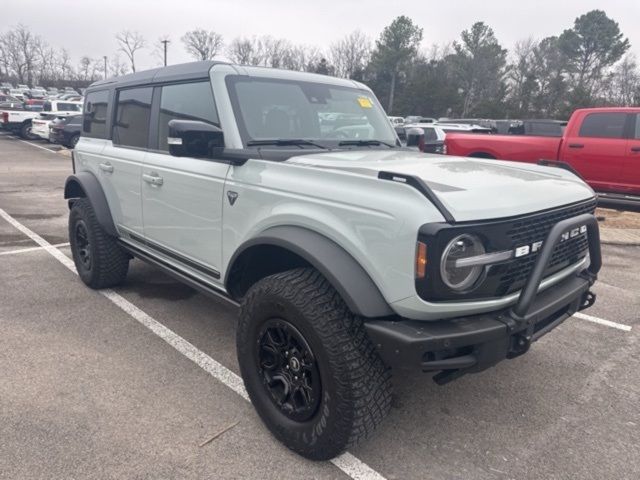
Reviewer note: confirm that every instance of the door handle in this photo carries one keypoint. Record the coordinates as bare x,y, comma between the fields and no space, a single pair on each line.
576,145
635,149
153,179
106,167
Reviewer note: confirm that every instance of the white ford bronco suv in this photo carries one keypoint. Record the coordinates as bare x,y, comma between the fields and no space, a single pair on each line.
289,195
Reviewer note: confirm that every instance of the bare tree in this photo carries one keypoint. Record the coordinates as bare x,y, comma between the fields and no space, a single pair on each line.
350,55
202,44
130,42
117,67
522,77
246,51
20,48
624,83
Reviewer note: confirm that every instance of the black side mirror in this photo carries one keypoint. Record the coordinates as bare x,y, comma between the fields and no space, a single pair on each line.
193,138
415,138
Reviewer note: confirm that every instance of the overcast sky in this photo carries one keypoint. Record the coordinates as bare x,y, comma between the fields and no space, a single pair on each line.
88,27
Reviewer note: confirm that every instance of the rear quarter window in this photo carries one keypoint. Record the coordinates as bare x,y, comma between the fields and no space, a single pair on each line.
603,125
94,119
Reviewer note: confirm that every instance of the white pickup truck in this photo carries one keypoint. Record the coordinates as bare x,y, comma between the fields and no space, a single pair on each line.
50,111
17,121
22,122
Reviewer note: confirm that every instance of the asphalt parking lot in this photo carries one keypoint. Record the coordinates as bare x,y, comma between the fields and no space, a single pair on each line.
131,383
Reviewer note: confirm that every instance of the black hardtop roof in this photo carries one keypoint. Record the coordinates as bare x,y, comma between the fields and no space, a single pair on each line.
182,71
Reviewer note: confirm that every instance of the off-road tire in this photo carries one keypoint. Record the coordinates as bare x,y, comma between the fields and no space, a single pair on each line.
109,263
356,385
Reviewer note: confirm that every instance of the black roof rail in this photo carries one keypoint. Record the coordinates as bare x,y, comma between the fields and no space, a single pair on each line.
422,187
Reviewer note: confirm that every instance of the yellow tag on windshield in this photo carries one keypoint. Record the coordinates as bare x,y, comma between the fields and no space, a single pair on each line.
365,102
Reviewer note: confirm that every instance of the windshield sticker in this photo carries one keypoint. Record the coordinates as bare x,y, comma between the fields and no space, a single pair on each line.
365,102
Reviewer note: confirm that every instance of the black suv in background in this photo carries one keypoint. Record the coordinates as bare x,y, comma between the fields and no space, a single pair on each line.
66,130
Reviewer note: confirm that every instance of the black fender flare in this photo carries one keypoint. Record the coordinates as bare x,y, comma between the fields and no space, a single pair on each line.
85,184
344,273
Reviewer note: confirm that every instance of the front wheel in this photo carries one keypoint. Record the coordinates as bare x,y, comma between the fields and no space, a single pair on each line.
310,370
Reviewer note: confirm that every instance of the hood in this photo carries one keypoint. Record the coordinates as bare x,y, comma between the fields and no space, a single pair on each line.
470,188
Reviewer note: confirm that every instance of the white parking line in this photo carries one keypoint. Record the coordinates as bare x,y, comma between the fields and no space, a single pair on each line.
34,145
601,321
32,249
349,464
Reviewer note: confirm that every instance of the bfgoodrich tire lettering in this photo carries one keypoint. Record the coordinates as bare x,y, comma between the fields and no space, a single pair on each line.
100,261
355,390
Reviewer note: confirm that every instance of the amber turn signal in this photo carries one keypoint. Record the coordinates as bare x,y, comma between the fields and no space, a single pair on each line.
421,259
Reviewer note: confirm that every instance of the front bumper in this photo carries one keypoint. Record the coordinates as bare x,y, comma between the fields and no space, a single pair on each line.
471,344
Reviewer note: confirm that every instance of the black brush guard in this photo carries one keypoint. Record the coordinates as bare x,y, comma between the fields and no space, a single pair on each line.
457,346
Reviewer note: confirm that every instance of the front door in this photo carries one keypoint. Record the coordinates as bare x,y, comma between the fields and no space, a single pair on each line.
182,196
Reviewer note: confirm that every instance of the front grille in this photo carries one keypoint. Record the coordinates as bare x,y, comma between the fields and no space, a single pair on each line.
536,228
500,235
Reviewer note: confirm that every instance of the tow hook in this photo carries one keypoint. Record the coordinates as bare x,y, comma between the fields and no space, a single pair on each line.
588,299
519,345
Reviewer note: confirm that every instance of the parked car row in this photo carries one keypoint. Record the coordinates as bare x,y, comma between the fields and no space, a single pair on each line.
57,121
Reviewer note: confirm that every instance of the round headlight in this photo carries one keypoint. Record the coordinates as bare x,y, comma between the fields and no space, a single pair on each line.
461,278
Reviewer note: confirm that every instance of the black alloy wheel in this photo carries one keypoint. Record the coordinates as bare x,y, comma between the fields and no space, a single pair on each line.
83,244
289,370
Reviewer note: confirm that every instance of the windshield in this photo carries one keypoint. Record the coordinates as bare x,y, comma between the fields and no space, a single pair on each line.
327,115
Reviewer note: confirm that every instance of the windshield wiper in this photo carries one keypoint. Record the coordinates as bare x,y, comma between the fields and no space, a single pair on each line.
283,142
365,143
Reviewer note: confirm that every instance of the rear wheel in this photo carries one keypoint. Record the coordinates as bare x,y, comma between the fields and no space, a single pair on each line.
25,131
99,260
310,370
74,140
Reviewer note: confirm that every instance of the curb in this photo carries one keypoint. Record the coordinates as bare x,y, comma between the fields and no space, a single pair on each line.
620,237
620,243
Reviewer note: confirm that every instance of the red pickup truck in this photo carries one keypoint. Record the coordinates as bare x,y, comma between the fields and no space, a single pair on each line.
600,144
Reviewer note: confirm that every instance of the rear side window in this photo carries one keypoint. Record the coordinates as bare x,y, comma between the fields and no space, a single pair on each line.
68,107
94,120
637,129
187,101
133,110
430,134
603,125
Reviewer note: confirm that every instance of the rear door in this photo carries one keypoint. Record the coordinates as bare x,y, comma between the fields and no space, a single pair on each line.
631,168
598,149
182,196
120,163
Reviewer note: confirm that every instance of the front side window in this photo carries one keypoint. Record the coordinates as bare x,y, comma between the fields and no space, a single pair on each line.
94,119
275,109
603,125
133,110
637,130
187,101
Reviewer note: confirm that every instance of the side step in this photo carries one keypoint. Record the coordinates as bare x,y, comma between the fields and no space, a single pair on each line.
620,201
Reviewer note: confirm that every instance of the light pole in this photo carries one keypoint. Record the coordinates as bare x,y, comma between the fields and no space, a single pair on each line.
105,67
165,43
